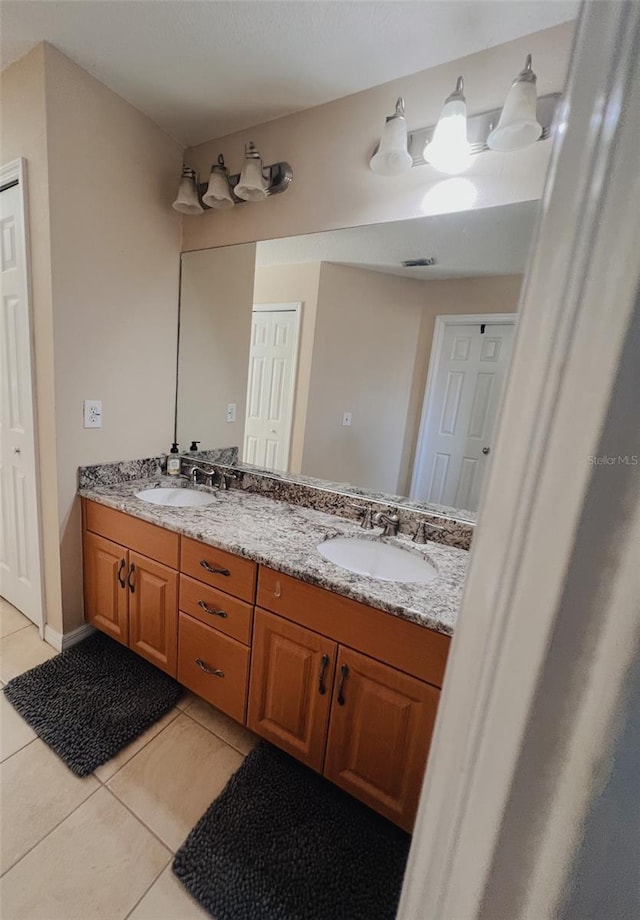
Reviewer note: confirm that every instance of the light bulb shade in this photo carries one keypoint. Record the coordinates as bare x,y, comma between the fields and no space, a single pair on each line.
187,201
218,194
392,158
252,185
518,126
449,150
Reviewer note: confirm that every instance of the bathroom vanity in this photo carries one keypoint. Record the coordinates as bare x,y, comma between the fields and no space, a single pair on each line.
341,671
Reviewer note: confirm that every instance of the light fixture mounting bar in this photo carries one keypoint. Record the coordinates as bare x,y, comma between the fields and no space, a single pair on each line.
279,177
480,126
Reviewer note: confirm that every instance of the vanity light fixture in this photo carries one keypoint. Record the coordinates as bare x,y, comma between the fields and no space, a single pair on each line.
449,145
518,126
252,185
218,194
187,200
449,150
223,191
392,157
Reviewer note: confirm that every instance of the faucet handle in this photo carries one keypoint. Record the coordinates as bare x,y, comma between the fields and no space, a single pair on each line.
420,535
366,514
226,478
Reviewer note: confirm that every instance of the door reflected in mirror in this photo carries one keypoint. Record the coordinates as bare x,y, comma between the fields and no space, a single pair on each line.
374,356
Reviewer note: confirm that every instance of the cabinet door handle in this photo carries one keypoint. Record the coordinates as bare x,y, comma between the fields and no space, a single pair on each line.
210,568
210,610
323,670
130,583
215,672
344,670
121,568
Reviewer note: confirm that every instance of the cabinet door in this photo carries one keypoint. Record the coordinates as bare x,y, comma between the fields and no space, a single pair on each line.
381,726
105,593
153,611
292,671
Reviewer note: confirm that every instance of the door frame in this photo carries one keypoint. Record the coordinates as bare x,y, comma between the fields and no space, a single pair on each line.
537,689
419,474
294,307
12,174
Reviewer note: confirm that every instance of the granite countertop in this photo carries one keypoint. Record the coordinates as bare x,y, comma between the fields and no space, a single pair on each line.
284,537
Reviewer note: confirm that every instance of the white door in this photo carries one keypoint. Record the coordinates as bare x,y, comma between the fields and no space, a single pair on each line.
465,384
20,574
271,387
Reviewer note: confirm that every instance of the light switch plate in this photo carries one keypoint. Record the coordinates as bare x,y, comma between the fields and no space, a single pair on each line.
93,413
231,412
346,419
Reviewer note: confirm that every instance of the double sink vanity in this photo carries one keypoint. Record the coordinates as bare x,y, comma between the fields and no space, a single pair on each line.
328,640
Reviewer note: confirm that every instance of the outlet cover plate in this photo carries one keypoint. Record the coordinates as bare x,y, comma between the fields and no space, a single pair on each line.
93,413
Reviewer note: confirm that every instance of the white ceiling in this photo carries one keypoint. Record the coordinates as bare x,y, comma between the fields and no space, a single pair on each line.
468,244
205,68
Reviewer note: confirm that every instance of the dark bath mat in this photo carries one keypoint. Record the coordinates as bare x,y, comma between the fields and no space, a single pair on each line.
282,843
92,700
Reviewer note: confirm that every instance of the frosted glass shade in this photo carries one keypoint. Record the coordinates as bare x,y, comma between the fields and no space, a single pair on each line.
218,194
392,158
518,126
187,201
252,185
449,150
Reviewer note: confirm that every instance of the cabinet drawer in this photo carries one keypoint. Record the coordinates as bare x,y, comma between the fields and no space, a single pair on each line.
411,648
219,569
202,650
216,609
148,539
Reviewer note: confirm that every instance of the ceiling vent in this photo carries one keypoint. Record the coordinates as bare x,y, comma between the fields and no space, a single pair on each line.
419,263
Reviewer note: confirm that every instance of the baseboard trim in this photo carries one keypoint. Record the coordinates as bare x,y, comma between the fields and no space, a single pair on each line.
61,641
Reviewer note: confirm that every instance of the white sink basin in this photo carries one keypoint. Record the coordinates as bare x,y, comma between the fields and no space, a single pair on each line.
177,498
377,559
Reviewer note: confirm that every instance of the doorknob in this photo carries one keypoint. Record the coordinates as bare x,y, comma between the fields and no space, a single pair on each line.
485,450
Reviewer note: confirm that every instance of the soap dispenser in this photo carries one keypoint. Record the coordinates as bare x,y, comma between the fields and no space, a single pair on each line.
173,461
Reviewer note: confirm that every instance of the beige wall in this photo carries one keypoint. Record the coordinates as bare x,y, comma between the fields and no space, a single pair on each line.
114,251
24,134
289,284
367,330
329,147
215,329
493,294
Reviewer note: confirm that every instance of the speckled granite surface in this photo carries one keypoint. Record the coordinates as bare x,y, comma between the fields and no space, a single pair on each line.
284,537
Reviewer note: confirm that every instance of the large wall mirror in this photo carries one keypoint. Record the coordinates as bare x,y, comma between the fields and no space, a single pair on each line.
373,356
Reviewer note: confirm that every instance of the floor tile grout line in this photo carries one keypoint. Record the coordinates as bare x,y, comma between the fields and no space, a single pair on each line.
146,892
216,735
42,839
8,758
157,735
19,629
139,819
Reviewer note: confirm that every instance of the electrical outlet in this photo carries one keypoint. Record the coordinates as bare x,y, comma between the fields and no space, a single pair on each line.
346,419
93,413
231,412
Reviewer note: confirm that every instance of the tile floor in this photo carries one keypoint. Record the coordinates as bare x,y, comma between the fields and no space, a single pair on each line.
102,846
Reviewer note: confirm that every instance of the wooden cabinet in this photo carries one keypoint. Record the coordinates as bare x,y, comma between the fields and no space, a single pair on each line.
130,590
153,611
105,587
381,726
291,679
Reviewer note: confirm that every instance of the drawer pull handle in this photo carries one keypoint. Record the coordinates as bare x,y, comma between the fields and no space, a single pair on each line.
344,670
215,672
210,610
121,568
323,670
210,568
130,583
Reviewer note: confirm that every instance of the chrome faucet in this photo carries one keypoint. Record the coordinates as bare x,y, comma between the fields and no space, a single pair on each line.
420,535
390,523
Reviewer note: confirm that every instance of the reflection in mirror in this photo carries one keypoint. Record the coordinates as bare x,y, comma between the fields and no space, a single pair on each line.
374,356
